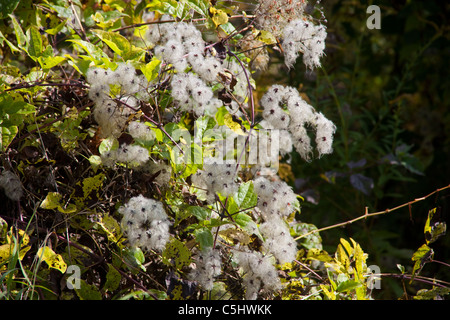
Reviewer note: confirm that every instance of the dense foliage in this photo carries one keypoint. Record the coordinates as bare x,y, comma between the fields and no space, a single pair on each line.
199,149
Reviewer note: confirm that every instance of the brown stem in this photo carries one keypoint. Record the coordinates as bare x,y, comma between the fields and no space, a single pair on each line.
367,215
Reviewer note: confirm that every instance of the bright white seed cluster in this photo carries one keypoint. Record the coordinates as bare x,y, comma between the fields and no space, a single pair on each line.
307,38
109,114
278,240
133,155
216,178
285,109
116,95
145,223
259,271
276,200
181,45
192,94
285,19
11,185
208,265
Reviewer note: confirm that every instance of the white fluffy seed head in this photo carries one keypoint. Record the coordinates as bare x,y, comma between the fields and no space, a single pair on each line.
145,223
141,131
303,36
208,265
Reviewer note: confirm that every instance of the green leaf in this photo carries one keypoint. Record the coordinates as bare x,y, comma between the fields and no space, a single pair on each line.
199,6
246,198
13,48
433,294
7,7
164,7
49,62
55,30
108,19
118,43
220,115
200,213
20,36
267,37
342,256
313,240
420,257
88,292
242,219
95,162
34,42
88,190
113,278
232,206
201,125
92,50
111,227
7,135
108,144
176,254
151,69
134,257
348,286
204,237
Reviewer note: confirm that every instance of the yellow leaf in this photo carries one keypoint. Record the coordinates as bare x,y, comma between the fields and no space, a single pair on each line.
52,259
347,246
229,122
218,16
111,227
7,250
267,37
229,235
52,201
342,257
329,293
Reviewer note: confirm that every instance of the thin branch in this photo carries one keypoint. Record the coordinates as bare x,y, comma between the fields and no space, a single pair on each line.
251,102
158,125
367,215
431,281
39,84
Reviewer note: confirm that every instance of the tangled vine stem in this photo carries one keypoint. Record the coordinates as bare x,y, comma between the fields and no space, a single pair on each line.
431,281
157,124
367,214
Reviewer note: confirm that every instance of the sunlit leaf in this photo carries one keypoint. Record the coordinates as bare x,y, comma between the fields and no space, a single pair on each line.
434,228
53,201
151,69
423,255
34,42
116,42
348,286
218,16
204,237
52,259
